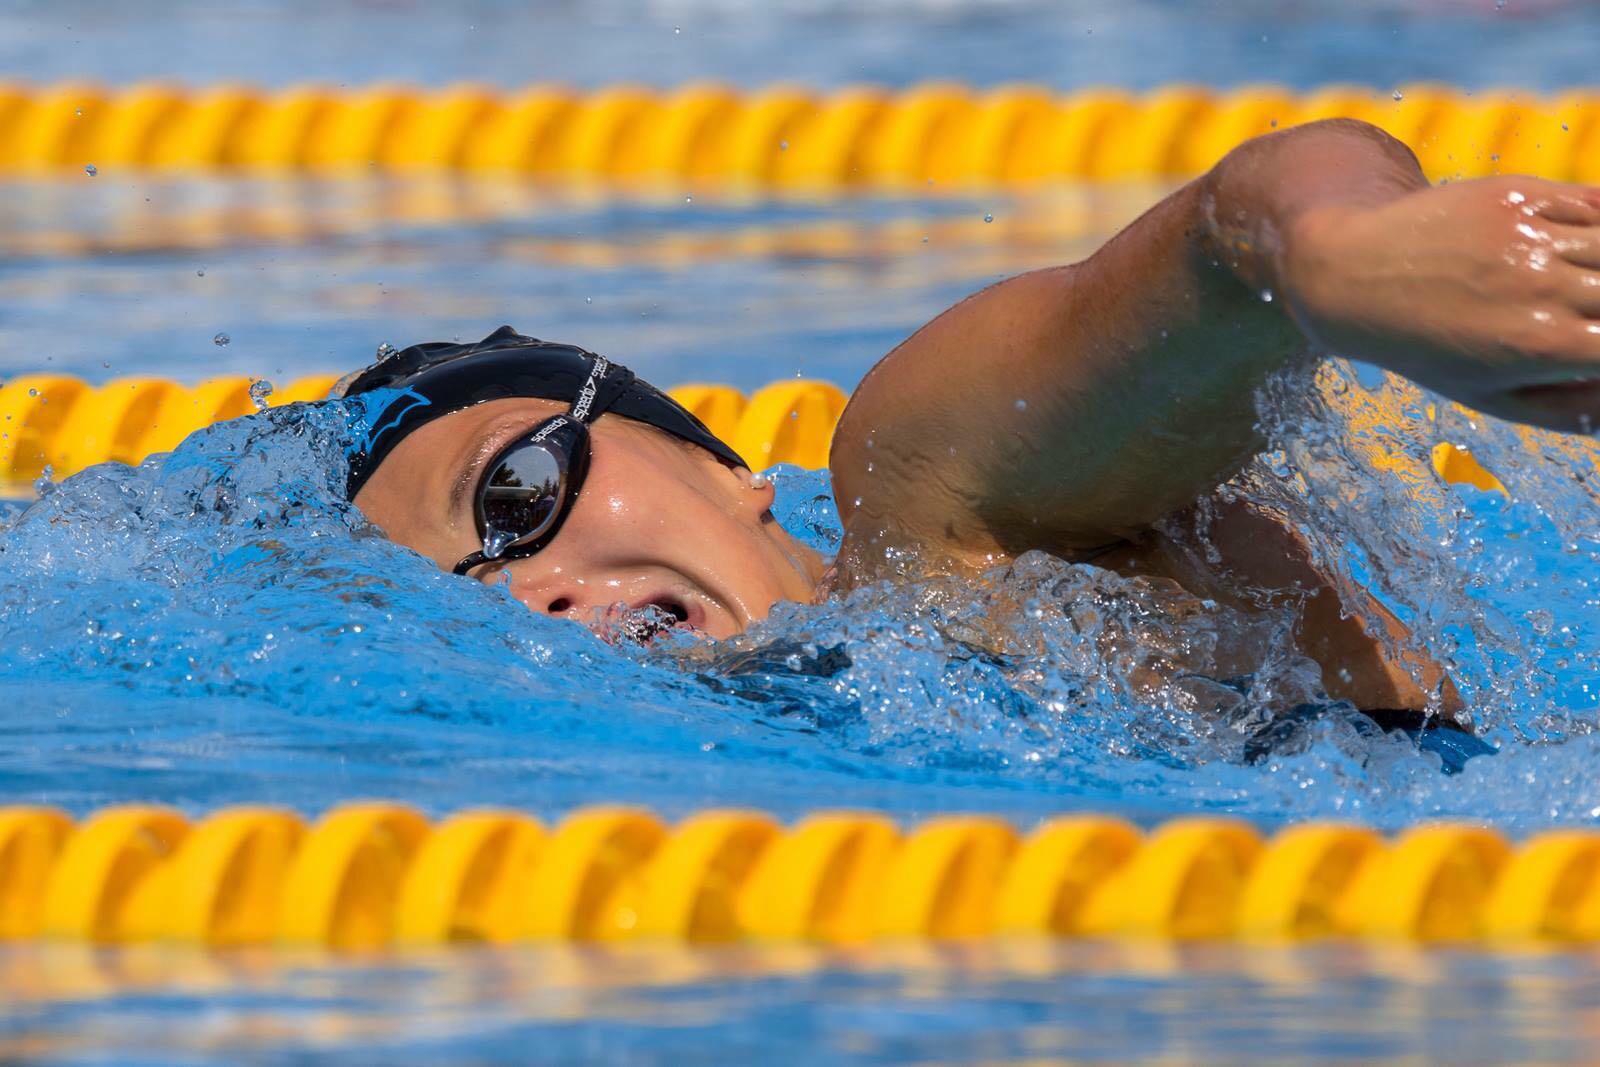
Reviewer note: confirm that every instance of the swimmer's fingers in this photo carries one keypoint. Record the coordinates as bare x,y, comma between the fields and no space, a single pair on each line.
1569,205
1584,296
1578,245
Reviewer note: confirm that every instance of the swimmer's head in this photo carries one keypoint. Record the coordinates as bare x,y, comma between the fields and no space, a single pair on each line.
548,467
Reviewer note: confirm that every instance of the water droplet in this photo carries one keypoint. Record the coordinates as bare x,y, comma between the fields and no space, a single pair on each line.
1021,404
924,238
988,218
1273,123
1494,158
222,340
385,351
688,200
78,111
857,502
33,392
783,146
588,300
90,169
1563,125
1541,620
45,483
1398,95
677,30
1266,296
201,273
1499,5
496,542
260,389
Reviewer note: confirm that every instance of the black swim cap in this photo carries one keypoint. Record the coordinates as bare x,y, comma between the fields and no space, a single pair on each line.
437,378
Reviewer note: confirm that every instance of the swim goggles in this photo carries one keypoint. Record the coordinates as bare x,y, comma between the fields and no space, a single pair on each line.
529,487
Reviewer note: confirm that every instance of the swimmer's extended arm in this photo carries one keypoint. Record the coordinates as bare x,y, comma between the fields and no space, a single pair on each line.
1071,407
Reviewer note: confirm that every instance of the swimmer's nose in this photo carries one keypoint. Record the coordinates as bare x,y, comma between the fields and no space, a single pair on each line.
565,599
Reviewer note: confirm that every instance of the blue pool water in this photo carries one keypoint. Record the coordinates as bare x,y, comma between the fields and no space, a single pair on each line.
215,627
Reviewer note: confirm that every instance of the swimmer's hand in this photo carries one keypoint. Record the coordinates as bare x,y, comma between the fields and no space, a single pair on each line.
1487,291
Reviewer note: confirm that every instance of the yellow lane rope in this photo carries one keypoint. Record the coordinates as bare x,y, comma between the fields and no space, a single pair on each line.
372,875
783,137
61,422
65,424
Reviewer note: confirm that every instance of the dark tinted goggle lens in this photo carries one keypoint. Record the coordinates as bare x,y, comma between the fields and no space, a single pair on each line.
523,496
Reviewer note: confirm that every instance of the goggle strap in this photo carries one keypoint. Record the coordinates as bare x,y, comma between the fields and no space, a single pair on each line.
606,382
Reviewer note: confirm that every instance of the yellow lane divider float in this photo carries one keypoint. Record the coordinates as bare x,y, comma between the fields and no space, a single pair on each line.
373,875
779,137
61,422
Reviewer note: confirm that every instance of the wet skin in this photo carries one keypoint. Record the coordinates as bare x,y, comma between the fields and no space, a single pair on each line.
657,522
1140,369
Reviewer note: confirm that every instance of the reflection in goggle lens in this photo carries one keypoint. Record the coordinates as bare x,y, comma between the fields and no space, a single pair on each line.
523,495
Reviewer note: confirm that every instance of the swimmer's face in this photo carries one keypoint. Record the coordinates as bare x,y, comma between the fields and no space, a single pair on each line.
657,522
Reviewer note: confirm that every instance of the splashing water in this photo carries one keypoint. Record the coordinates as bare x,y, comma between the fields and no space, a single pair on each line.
218,626
260,394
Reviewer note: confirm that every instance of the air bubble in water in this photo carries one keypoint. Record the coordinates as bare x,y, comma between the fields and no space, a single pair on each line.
260,389
222,340
90,169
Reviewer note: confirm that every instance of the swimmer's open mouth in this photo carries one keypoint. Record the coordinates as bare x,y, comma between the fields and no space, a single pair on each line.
651,617
682,609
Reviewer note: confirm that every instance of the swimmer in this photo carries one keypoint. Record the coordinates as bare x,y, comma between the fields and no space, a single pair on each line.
1071,409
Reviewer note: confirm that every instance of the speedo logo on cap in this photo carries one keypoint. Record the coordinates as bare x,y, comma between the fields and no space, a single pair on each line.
580,406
